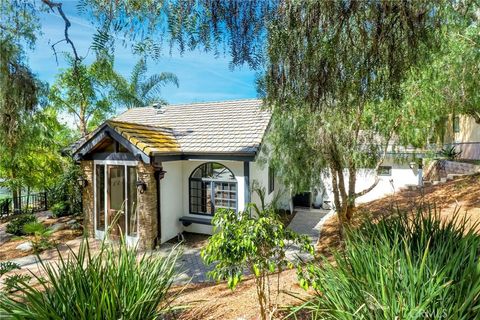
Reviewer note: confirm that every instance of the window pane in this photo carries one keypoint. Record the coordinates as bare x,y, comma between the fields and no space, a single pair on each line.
132,217
225,195
116,192
100,197
203,178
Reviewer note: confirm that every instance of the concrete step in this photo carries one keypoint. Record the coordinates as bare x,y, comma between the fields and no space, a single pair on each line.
452,176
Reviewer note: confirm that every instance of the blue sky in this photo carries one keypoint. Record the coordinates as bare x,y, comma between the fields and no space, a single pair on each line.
202,77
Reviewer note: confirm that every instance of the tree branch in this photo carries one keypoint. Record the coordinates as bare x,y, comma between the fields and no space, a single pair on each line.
58,6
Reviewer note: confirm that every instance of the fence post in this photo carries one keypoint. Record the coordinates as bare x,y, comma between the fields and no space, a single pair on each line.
46,203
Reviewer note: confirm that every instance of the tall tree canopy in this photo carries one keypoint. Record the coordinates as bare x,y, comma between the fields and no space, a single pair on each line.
140,90
82,91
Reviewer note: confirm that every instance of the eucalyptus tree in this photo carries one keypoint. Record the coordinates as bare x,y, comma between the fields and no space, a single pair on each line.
82,91
140,90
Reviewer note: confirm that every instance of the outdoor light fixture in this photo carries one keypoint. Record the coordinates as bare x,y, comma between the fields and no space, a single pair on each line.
141,186
82,182
412,165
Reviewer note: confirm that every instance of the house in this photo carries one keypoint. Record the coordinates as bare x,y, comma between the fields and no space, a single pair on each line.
463,133
152,173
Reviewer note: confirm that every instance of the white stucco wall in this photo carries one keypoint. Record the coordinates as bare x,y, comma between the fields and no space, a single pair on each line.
401,176
171,199
259,173
174,193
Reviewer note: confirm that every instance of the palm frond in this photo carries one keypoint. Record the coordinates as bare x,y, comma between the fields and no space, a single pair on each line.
155,82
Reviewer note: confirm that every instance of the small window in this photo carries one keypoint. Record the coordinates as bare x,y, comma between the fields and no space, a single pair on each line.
271,180
384,171
456,124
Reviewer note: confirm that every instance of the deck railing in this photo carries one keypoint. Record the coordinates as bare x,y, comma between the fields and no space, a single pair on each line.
29,203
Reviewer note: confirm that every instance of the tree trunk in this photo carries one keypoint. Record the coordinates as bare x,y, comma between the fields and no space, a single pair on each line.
350,205
82,126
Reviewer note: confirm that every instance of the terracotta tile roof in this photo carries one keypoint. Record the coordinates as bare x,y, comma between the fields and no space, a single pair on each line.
214,127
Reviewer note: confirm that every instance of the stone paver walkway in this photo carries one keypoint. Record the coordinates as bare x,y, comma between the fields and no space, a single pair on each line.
190,266
192,269
307,222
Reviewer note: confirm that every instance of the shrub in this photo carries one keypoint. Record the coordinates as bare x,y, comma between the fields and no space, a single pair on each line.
15,226
111,284
400,268
41,236
251,240
67,191
60,209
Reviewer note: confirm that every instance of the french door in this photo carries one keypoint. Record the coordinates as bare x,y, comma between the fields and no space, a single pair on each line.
116,200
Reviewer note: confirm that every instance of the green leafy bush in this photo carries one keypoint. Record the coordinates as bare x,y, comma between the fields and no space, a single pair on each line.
253,240
400,268
66,195
41,236
15,226
60,209
113,283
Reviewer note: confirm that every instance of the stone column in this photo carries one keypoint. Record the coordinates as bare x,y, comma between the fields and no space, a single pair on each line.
88,197
147,207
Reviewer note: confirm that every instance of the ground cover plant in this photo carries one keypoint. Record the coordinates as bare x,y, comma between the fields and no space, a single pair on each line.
404,267
16,225
112,284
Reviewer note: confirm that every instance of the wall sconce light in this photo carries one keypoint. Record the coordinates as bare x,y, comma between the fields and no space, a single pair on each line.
82,182
412,165
141,186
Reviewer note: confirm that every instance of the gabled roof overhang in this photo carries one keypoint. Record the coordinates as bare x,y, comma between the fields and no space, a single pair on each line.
106,130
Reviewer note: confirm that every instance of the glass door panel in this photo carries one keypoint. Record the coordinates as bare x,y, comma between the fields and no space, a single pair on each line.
116,201
132,202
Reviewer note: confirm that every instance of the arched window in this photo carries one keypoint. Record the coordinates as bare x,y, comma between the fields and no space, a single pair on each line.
212,186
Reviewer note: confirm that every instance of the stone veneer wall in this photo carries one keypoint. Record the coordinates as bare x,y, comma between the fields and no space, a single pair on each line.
147,204
87,198
147,207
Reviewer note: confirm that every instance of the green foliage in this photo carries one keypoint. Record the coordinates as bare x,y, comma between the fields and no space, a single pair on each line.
450,153
402,267
111,284
65,194
82,91
449,84
41,236
7,266
251,240
334,83
60,209
141,91
11,282
15,226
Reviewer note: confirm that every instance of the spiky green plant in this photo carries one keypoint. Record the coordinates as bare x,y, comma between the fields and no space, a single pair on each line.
405,267
112,284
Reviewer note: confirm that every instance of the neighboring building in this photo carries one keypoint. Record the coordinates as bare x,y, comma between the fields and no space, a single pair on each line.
464,133
153,173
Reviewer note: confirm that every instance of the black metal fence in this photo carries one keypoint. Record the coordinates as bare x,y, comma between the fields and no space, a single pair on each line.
29,203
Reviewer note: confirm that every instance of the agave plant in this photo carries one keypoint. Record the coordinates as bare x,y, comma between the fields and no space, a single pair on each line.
400,268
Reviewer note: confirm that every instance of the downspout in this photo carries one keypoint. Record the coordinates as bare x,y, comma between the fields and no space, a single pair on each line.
159,174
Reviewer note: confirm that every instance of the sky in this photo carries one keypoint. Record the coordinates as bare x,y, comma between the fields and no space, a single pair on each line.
202,77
